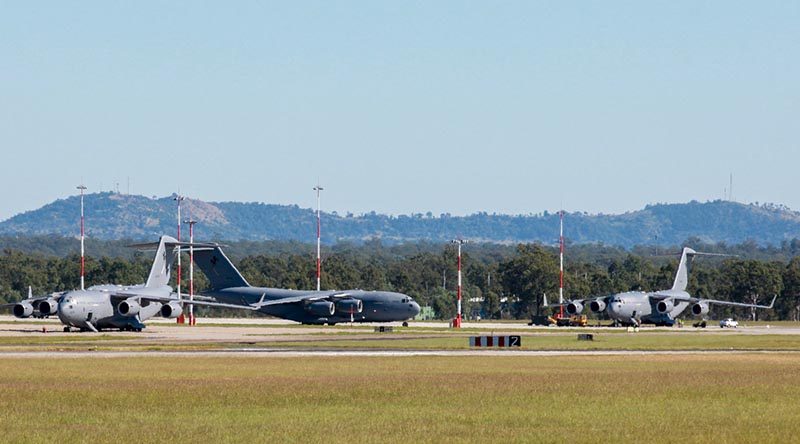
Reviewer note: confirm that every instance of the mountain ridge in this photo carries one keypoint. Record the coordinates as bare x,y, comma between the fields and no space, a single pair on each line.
117,216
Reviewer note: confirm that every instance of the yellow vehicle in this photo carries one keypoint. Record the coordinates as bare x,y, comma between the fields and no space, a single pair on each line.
566,321
572,321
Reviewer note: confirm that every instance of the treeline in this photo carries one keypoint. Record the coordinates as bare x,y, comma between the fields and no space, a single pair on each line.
500,281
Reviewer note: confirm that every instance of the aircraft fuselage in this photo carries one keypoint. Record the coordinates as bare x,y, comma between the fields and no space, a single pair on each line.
378,306
95,305
639,307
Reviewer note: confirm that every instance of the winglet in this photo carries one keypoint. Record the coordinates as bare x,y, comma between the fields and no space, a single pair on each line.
544,300
30,292
773,301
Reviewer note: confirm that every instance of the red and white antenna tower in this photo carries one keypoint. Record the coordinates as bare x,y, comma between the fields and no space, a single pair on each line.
561,264
457,320
319,233
83,261
178,198
191,223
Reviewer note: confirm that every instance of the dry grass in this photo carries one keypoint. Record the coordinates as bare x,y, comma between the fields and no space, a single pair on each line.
651,341
693,398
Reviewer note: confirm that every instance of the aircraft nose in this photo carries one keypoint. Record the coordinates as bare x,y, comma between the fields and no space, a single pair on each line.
414,309
66,311
63,309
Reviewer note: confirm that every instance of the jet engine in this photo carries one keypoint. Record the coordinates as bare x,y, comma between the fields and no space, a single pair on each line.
665,306
597,305
321,308
171,310
348,306
48,306
23,310
129,307
699,308
574,308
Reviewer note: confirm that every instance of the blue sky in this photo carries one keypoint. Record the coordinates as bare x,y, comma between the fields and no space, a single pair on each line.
400,107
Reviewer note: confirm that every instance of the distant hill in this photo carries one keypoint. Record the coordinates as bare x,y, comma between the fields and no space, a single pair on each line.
120,216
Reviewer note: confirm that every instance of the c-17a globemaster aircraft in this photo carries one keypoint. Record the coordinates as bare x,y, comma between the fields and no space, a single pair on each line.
125,307
658,307
231,290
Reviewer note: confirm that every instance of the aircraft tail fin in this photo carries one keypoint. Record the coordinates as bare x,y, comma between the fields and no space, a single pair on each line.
219,270
162,263
687,256
682,276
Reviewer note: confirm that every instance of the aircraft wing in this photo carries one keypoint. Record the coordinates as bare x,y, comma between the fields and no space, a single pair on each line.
583,301
693,300
295,299
736,304
33,300
210,302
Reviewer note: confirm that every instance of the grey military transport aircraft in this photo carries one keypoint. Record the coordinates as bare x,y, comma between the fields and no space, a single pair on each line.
231,290
659,307
112,306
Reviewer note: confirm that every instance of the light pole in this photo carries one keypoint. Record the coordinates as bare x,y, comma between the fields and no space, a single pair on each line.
457,320
561,265
178,198
82,188
191,223
319,232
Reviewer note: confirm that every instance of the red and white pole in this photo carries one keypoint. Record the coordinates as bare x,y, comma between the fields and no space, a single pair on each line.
561,265
83,260
191,270
457,320
458,315
319,236
179,199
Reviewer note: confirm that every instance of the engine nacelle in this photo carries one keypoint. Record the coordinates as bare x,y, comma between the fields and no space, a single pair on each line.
574,308
23,310
48,306
129,307
348,306
665,306
597,306
699,309
171,310
321,308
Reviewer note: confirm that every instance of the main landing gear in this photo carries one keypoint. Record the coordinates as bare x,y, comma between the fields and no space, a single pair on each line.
131,328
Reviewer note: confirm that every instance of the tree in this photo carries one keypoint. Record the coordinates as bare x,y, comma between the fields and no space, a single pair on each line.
527,276
752,281
791,289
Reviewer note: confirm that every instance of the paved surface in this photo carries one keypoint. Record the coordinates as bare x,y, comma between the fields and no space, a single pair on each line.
47,336
282,353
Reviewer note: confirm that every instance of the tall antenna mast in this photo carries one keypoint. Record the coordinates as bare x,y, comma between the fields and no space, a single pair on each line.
178,198
191,223
561,263
457,320
730,190
83,260
319,233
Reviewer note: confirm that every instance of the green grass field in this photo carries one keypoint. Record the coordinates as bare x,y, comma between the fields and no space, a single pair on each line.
692,398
